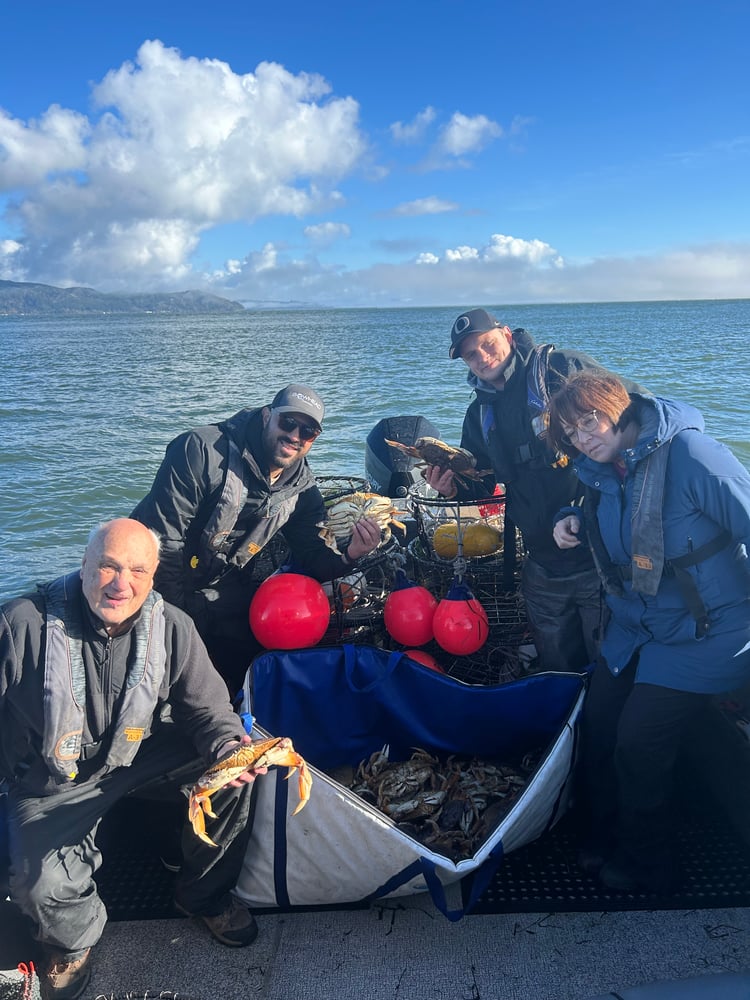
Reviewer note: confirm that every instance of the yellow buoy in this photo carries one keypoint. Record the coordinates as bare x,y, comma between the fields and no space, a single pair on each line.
479,539
445,540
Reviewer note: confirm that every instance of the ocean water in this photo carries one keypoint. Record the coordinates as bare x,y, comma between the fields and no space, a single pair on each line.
88,405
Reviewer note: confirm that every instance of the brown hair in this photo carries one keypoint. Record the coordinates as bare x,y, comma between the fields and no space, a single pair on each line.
583,392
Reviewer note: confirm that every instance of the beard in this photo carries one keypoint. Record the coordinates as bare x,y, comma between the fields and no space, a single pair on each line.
280,451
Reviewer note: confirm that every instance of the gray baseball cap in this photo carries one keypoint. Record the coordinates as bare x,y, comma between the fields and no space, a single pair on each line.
300,399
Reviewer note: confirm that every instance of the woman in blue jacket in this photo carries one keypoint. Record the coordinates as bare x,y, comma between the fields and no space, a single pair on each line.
667,517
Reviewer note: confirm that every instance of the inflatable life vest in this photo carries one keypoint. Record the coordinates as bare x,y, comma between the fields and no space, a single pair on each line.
65,679
648,564
537,402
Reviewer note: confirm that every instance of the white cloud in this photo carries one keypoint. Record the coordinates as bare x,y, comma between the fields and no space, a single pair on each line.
535,251
506,268
180,145
425,206
462,253
508,248
30,152
326,233
463,135
414,130
10,269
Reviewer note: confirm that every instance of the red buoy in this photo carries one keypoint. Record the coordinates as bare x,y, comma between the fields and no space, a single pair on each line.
289,611
408,612
460,623
424,658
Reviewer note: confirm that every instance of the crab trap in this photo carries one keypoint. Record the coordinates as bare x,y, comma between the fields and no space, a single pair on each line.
357,601
340,705
474,541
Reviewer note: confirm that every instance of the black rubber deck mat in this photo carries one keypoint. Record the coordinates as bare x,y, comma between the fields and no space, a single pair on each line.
541,877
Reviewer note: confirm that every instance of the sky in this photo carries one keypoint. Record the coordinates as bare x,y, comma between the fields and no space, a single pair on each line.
377,154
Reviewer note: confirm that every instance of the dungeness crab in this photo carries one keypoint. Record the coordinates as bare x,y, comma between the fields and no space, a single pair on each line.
449,804
264,753
344,513
431,451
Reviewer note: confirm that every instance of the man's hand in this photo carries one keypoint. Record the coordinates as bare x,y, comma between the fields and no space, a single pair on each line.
365,538
441,480
247,777
566,531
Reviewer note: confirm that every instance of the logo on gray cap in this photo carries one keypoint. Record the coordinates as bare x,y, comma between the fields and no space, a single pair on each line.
300,399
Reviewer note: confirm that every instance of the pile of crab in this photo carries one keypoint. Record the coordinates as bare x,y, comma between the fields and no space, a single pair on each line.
451,805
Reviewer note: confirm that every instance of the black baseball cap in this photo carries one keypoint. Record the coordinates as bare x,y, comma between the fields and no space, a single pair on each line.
473,321
300,399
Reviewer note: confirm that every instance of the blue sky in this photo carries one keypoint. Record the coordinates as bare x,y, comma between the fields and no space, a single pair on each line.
456,152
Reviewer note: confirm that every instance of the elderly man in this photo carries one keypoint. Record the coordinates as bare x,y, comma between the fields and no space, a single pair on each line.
221,493
103,688
505,428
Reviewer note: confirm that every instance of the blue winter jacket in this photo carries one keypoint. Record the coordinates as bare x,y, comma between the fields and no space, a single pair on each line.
706,490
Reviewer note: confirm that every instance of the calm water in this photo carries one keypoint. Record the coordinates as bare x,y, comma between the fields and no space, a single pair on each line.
88,405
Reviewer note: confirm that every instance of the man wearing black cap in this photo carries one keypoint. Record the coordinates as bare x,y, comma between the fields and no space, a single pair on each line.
220,495
505,429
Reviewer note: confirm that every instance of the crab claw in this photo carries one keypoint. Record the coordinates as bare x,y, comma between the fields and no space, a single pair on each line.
198,805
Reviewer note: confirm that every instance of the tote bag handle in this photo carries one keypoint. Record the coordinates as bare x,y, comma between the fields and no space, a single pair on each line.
365,673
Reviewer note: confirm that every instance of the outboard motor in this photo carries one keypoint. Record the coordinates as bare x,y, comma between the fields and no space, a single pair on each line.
389,470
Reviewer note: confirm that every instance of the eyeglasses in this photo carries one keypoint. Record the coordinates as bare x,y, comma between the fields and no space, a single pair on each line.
306,431
590,423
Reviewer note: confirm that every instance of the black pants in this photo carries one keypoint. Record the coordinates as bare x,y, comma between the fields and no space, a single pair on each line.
630,739
54,854
224,626
565,616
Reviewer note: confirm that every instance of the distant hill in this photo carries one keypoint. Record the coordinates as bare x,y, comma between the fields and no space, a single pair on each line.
19,298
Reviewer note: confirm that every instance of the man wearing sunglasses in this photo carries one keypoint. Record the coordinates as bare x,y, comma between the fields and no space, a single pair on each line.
221,494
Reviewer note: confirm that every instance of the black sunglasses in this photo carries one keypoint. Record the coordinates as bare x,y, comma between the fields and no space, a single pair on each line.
306,431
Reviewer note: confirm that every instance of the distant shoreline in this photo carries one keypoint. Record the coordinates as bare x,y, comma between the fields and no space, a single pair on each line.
21,298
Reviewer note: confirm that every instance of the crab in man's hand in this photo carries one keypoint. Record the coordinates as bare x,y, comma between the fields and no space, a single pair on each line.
345,511
431,451
278,750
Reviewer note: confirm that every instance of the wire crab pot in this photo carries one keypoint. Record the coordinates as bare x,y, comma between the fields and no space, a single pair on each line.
493,574
493,580
335,487
358,600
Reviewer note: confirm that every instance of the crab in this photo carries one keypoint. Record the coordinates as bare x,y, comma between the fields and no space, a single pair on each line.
432,451
399,779
277,750
344,513
421,805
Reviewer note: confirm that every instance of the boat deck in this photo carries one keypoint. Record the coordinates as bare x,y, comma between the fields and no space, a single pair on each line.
540,931
406,949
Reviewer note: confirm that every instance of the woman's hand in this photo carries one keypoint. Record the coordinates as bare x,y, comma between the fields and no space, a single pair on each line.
566,531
